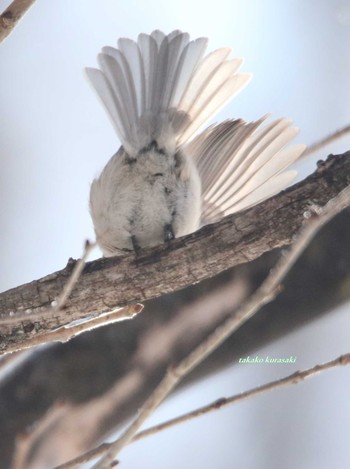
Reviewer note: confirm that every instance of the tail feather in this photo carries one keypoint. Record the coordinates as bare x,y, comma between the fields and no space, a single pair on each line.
163,87
110,101
250,161
117,73
213,99
241,164
263,192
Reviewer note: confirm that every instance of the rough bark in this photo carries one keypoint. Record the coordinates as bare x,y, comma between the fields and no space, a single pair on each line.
108,283
89,365
10,17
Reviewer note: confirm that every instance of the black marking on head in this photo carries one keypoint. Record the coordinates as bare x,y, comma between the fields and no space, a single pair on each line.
167,190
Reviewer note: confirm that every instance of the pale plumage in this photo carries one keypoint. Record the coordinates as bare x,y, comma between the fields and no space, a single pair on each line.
167,179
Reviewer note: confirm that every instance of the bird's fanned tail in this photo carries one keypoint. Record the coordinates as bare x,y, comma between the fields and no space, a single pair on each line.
163,88
159,91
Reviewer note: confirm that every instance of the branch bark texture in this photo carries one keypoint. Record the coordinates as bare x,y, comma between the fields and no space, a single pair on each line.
10,17
62,372
108,283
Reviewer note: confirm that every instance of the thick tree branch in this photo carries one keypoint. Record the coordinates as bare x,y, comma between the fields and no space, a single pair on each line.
265,293
109,283
62,372
10,17
162,346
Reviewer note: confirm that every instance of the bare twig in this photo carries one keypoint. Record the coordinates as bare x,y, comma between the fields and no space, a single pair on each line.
326,141
154,350
317,217
11,360
26,440
58,304
65,333
86,457
10,17
294,378
73,279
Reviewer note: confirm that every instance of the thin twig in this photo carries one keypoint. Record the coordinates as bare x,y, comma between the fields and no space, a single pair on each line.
325,141
11,358
86,457
317,217
294,378
65,333
58,304
10,17
73,279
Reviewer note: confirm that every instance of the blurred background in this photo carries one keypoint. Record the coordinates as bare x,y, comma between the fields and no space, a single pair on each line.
55,137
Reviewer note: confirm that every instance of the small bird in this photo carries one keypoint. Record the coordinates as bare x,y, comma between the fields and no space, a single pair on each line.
169,178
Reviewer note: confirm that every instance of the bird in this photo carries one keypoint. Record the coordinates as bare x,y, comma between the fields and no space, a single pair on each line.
171,175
